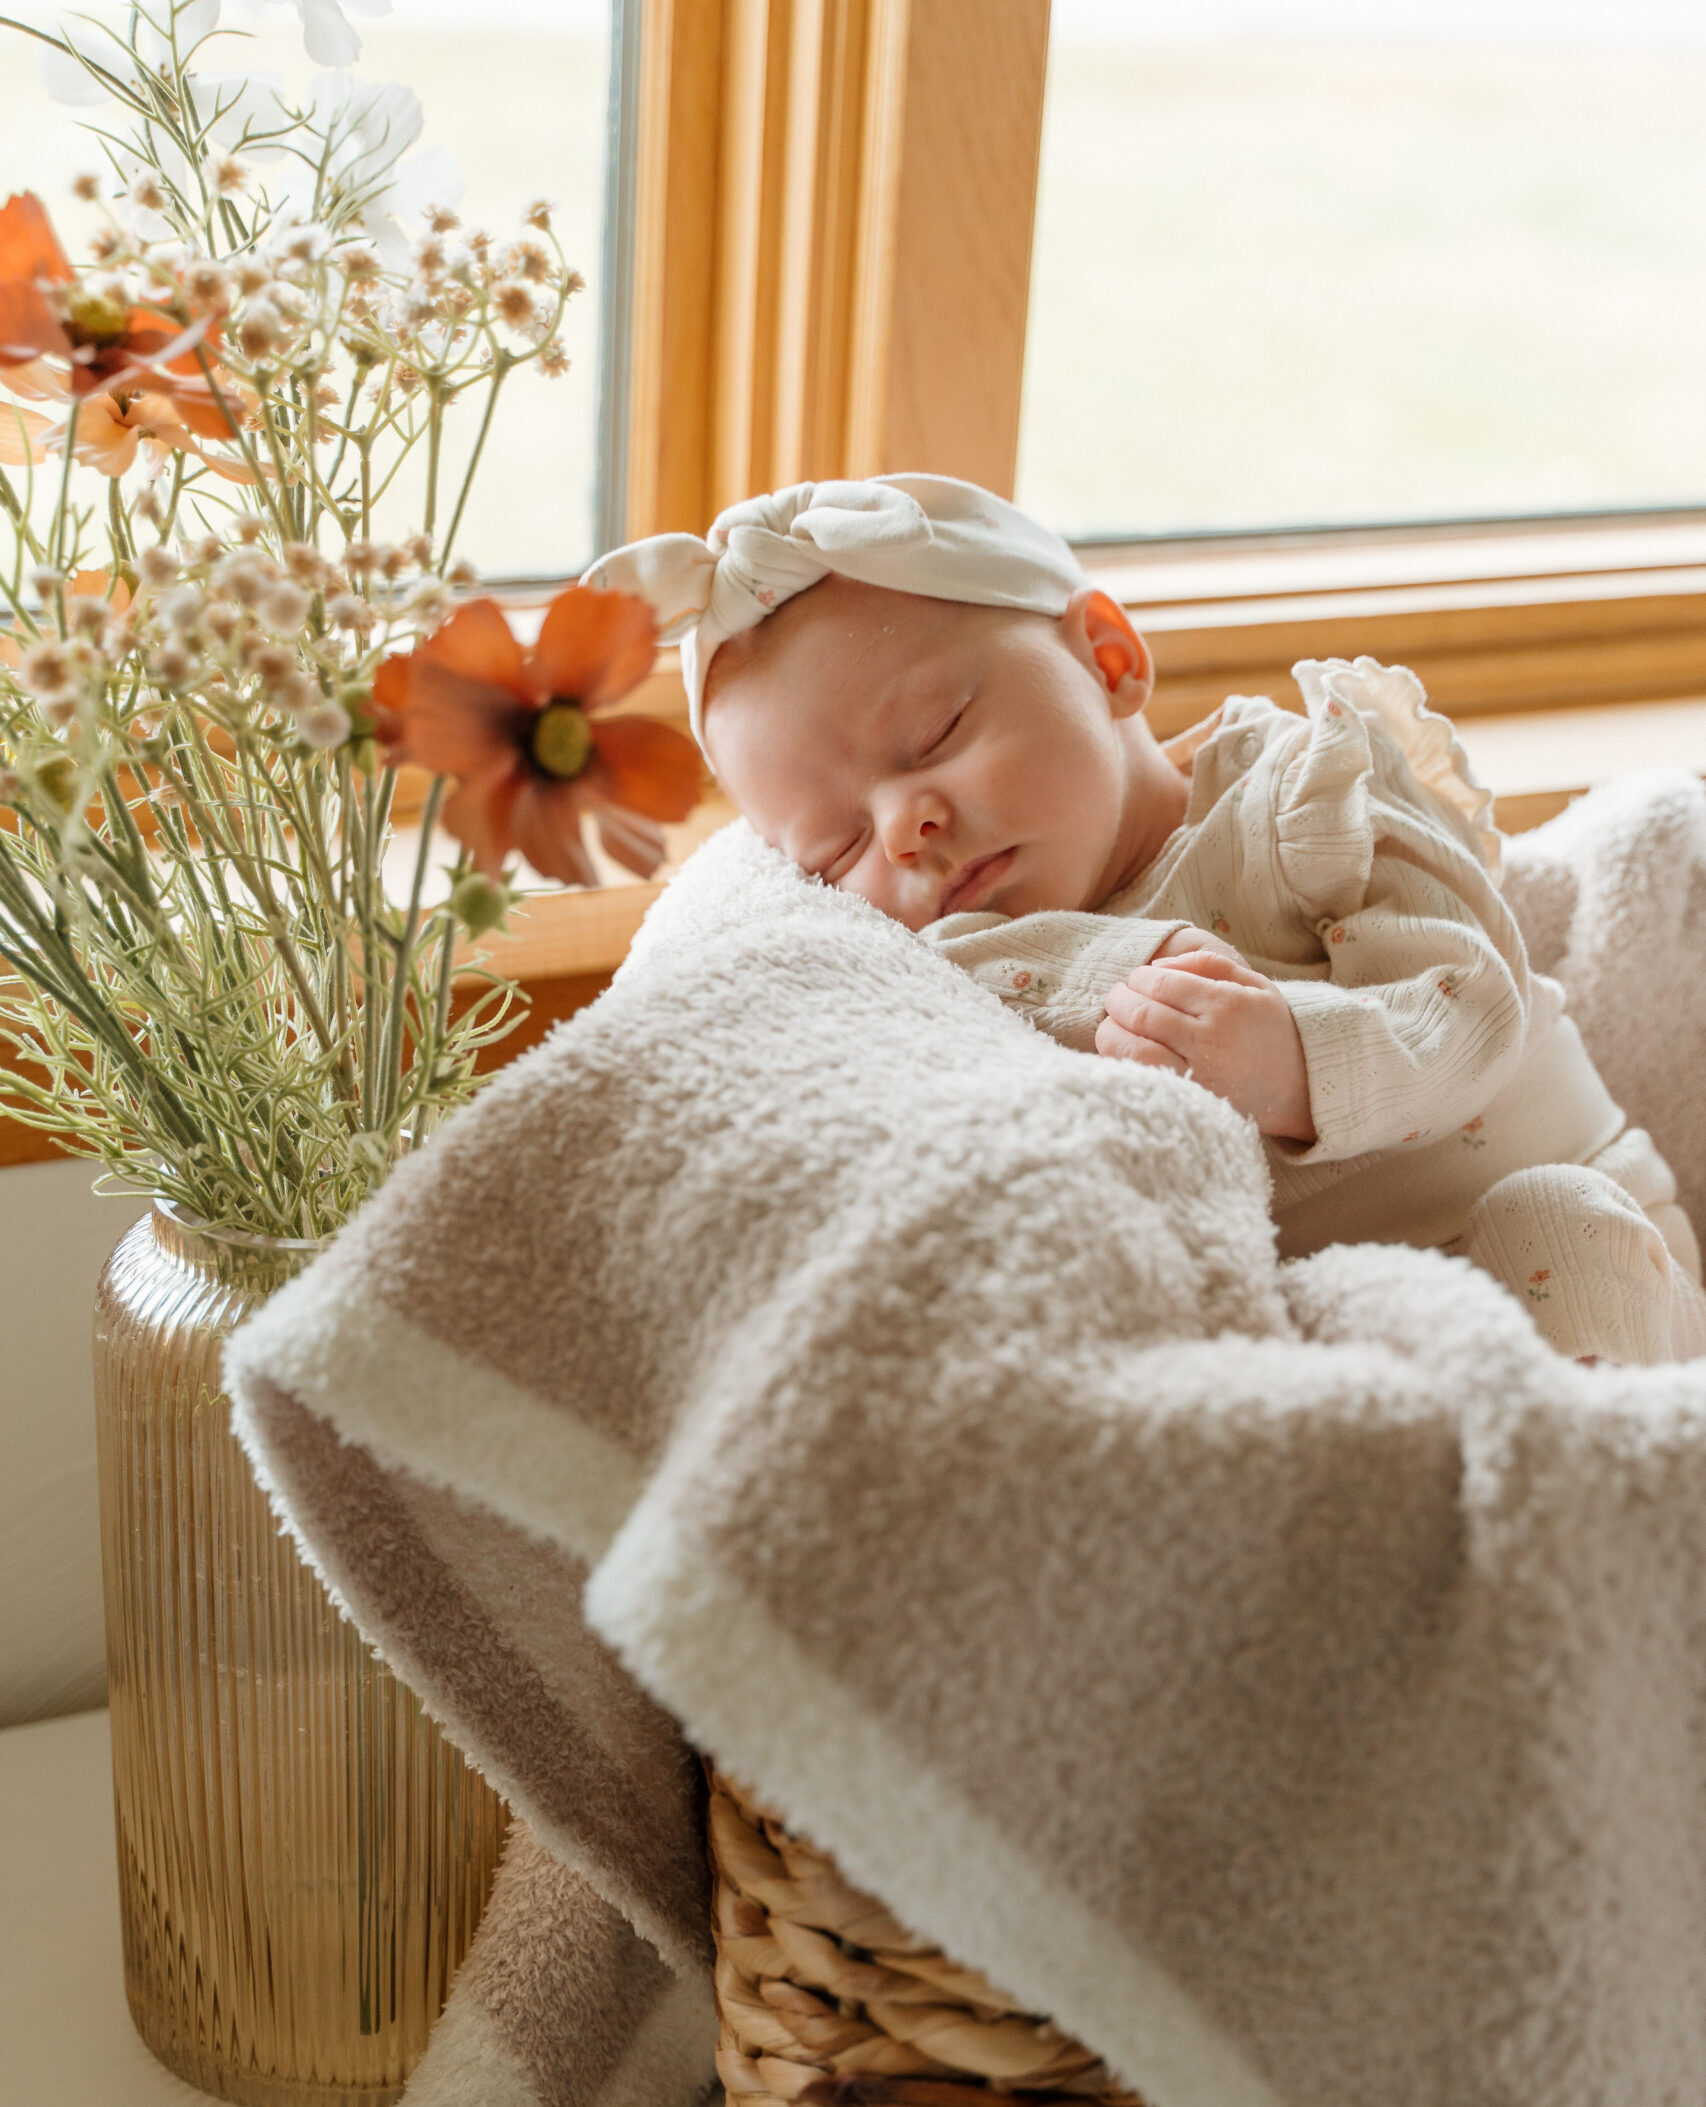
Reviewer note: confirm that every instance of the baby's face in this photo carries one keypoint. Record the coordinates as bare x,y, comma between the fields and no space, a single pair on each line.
937,758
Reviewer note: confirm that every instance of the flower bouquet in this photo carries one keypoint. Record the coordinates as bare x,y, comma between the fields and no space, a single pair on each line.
216,659
203,706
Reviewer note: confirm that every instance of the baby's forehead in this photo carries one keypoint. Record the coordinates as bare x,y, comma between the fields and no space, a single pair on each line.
841,624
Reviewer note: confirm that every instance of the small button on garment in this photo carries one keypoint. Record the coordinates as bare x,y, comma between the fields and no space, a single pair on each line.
1248,748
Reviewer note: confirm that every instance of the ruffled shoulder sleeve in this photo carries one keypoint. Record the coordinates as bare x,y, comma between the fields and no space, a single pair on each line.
1372,739
1391,700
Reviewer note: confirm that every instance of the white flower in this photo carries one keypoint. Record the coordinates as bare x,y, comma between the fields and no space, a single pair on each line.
243,113
327,36
426,183
100,37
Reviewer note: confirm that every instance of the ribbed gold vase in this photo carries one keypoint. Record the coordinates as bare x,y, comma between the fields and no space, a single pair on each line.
303,1858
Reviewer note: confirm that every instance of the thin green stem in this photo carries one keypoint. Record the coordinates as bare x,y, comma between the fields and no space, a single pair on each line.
401,969
499,373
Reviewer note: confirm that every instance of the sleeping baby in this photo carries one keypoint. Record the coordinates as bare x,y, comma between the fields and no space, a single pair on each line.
913,690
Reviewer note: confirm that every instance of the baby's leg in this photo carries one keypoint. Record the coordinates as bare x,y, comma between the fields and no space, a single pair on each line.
1589,1264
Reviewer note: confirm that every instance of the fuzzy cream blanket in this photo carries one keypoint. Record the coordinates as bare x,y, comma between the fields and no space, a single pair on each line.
1291,1677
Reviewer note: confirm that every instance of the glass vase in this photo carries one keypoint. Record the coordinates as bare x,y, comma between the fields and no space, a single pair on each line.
303,1858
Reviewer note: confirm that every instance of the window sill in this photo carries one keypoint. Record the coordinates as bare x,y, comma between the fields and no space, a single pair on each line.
1493,620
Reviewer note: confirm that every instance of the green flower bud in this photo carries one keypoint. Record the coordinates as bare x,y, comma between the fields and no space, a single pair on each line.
479,903
56,779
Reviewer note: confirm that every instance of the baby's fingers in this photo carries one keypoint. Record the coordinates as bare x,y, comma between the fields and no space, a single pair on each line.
1113,1040
1141,1014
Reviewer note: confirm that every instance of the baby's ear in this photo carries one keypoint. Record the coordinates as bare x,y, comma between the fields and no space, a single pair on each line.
1097,628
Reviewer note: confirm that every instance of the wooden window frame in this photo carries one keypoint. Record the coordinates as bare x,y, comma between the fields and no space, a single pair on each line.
831,276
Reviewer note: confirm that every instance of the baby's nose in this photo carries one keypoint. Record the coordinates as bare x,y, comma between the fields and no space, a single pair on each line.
909,825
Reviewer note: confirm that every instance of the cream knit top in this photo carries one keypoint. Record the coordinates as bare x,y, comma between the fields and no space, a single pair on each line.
1350,855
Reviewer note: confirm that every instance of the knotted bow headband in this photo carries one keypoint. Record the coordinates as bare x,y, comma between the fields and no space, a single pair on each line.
930,535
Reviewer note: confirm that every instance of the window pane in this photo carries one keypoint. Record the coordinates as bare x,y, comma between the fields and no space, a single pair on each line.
1306,262
517,90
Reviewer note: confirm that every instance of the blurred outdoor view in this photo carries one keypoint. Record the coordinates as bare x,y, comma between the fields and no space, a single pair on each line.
517,91
1308,262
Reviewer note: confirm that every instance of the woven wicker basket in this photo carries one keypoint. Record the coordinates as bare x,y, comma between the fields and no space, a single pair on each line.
825,2000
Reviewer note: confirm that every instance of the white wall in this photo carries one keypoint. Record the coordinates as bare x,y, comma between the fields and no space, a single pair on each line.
54,1237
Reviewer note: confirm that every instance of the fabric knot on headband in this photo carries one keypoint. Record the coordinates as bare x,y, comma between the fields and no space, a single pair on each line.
930,535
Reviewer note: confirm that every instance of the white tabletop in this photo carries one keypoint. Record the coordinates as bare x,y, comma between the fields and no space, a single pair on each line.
65,2034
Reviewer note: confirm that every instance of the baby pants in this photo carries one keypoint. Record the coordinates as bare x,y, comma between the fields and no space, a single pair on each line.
1601,1265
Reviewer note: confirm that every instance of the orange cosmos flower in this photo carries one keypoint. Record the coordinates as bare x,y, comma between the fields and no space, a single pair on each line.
524,734
109,430
59,337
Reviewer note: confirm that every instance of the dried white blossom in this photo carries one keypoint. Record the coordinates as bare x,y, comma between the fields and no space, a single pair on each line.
208,286
528,259
360,557
430,604
461,574
45,581
249,526
244,575
144,190
298,693
48,671
174,665
513,303
86,616
227,174
538,214
158,567
324,726
349,611
285,607
271,664
297,246
262,329
181,609
306,565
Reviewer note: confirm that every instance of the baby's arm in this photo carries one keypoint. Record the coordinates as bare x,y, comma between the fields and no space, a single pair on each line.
1419,1024
1055,968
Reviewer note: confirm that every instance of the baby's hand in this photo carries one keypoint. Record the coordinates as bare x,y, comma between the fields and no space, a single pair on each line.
1207,1015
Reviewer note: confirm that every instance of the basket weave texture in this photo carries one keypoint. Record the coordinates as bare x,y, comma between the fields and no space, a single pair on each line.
826,2001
